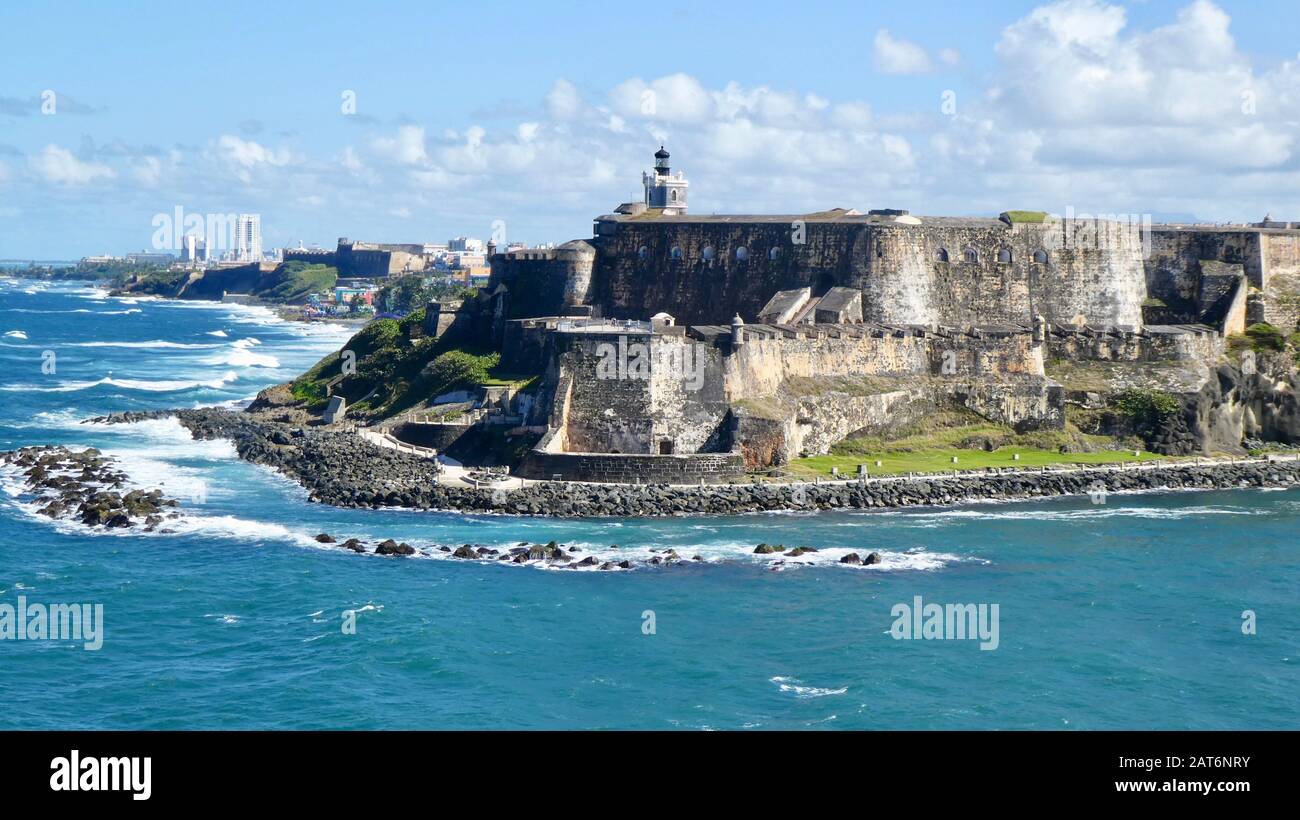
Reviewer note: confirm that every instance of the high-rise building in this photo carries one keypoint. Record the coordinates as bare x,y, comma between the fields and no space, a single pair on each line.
248,238
194,249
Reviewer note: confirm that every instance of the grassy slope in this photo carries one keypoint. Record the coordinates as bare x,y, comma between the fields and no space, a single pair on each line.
930,444
393,371
294,282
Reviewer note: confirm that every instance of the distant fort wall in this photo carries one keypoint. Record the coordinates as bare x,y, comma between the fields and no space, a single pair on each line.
363,260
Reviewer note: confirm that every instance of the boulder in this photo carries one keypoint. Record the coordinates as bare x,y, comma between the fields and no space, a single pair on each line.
391,547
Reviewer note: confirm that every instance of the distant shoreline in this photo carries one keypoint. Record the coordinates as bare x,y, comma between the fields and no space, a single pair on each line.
289,313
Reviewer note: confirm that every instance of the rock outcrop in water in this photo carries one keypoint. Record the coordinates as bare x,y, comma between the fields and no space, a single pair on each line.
84,486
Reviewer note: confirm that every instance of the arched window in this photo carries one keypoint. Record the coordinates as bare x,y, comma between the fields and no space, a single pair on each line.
676,252
1004,256
1040,256
941,255
708,253
742,253
971,255
643,252
880,251
774,253
673,195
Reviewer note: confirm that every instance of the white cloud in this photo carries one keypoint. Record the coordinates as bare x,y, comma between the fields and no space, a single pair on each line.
148,171
1180,95
675,98
406,148
60,166
250,154
894,56
1080,109
563,102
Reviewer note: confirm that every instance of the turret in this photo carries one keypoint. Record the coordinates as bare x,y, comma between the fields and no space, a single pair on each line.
737,332
662,189
661,163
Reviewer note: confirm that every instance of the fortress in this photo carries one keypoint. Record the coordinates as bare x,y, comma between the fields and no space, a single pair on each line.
761,338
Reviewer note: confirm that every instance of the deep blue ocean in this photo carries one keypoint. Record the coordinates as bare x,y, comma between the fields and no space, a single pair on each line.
1126,614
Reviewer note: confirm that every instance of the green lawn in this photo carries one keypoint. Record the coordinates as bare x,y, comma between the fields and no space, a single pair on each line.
940,459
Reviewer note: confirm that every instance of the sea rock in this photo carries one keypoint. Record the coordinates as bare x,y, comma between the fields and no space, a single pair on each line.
391,547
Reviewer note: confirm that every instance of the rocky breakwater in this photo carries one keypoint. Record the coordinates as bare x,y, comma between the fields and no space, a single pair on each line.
336,467
84,486
341,469
557,499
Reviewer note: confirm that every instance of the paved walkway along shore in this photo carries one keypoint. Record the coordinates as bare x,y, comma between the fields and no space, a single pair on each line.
341,468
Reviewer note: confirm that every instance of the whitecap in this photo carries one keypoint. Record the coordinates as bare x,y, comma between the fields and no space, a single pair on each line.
798,689
146,385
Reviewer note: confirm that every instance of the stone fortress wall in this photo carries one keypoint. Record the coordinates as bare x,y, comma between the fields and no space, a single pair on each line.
365,260
703,268
890,317
1268,259
622,389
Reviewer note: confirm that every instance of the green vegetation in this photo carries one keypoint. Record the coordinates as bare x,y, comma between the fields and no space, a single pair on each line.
1025,216
295,281
456,369
1264,337
1145,406
930,444
940,460
409,293
1260,337
153,281
1152,301
396,368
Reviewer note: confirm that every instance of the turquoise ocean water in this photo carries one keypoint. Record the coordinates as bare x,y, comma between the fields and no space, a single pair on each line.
1121,615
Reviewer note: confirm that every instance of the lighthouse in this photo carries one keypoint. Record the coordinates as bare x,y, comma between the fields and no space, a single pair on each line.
662,189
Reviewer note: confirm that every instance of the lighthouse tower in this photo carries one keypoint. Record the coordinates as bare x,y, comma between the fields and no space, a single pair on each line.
662,189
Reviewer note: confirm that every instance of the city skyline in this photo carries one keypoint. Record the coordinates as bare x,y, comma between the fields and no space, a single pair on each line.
1179,110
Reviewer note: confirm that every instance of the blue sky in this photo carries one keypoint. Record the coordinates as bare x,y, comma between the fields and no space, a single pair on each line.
536,113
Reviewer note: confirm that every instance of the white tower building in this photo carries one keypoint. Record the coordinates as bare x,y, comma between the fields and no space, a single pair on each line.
662,189
248,238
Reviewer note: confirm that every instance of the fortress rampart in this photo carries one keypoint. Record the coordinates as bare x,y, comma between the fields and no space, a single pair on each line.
923,271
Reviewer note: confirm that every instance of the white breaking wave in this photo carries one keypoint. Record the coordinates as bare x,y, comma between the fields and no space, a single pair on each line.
243,357
796,687
150,386
942,518
15,334
153,343
220,334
